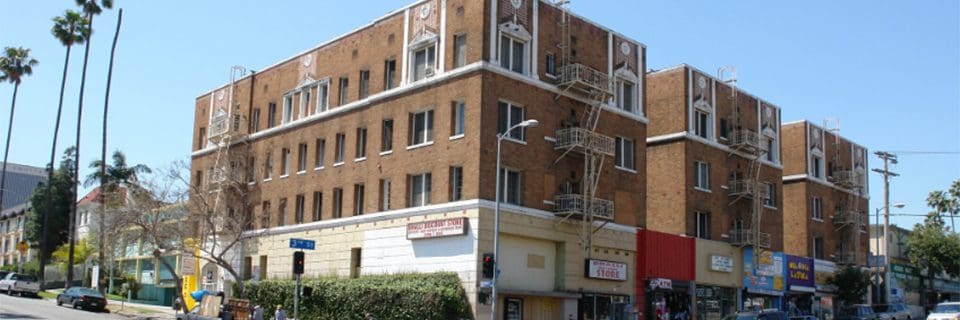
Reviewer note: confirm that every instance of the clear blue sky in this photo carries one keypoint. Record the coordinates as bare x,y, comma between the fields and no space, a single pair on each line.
890,70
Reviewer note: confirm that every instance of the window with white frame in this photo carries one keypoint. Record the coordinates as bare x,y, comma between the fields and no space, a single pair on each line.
702,123
284,162
317,205
424,62
510,115
389,73
287,109
456,183
703,225
358,192
271,115
323,97
364,83
306,102
282,212
361,143
625,154
701,174
513,54
252,170
771,148
627,95
459,118
816,168
299,208
320,146
771,197
344,91
337,203
511,186
817,248
386,135
420,190
341,148
459,50
385,195
268,167
550,64
421,128
816,208
302,158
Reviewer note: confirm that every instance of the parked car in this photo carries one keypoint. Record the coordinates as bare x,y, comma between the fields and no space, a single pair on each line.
856,312
808,317
82,298
769,314
20,284
945,311
3,274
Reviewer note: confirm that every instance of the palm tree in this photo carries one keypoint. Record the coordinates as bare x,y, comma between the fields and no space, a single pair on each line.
117,175
70,29
103,152
14,65
90,8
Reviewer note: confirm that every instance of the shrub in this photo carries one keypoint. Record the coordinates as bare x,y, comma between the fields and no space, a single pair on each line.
403,296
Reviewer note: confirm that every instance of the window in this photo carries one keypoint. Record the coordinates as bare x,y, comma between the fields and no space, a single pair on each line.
458,123
626,95
282,212
701,172
703,225
389,73
625,154
317,205
702,124
284,162
337,203
252,170
338,154
510,115
550,65
512,54
318,153
424,62
255,120
724,129
386,136
420,190
344,90
323,97
771,198
263,267
512,187
459,50
817,248
364,83
384,194
265,215
300,207
302,158
271,115
771,149
816,207
358,199
421,128
305,102
268,167
817,168
361,143
456,183
355,261
287,109
202,138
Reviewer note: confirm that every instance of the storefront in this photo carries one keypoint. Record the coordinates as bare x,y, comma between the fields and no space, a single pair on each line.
763,280
719,266
800,286
906,284
605,306
822,307
665,275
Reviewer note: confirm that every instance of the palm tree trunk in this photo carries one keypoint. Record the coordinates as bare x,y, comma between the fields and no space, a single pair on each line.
103,159
76,155
53,153
6,150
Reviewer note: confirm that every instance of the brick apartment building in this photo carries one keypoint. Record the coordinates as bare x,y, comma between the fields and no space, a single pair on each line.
355,143
714,172
825,190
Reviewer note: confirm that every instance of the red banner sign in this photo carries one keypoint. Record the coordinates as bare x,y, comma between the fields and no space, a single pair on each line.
437,228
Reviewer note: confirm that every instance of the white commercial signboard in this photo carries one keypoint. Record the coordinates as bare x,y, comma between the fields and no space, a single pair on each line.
721,263
437,228
189,266
606,270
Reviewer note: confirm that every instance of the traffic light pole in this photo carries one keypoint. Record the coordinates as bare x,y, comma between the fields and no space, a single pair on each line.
296,296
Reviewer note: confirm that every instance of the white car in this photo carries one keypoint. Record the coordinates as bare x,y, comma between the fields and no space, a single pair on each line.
20,284
945,311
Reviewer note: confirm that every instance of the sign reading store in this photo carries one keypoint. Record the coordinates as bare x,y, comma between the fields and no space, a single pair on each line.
437,228
606,270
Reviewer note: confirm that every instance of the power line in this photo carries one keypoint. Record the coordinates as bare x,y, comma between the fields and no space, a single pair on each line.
916,152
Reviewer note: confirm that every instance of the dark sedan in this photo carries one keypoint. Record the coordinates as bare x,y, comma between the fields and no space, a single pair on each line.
82,298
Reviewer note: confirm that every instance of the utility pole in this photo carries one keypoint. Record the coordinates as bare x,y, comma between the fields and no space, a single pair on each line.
888,158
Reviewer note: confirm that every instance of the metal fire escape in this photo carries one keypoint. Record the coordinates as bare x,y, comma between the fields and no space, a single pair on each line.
847,219
746,186
593,88
226,129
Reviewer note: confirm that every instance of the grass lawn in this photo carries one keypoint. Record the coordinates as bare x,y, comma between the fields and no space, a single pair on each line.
47,295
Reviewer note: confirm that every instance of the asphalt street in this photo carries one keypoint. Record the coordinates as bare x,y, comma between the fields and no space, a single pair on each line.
13,307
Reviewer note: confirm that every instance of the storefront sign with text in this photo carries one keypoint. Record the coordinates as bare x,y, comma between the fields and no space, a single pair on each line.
437,228
721,263
606,270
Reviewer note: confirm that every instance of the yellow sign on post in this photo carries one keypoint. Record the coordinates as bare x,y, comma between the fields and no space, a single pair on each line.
23,246
188,269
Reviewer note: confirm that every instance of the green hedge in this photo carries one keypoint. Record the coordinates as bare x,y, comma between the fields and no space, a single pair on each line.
403,296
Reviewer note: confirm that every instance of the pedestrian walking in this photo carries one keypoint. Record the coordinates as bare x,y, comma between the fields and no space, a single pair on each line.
257,313
368,316
280,314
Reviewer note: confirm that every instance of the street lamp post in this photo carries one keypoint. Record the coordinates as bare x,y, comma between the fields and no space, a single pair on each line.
886,251
531,123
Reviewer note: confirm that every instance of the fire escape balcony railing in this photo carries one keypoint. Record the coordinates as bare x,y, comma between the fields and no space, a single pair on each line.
845,178
745,188
745,237
582,140
747,140
584,78
847,218
845,257
576,204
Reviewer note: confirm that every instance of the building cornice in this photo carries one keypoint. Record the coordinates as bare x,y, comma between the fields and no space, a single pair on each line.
806,177
670,137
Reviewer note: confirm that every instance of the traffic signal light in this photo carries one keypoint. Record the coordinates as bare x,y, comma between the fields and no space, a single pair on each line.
307,291
488,265
298,262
